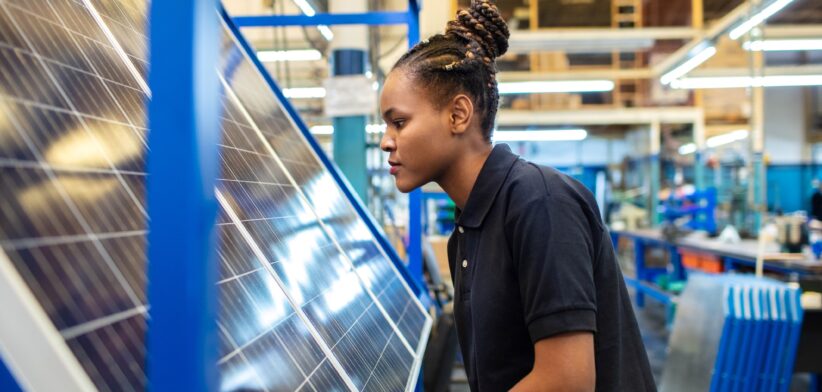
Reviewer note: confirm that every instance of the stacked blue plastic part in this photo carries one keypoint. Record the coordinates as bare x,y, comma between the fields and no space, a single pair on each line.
763,319
733,333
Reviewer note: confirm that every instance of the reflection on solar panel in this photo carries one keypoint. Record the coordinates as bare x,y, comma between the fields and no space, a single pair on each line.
308,299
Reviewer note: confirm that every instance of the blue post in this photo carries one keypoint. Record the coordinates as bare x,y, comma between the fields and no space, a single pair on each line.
7,381
183,165
679,272
759,187
654,190
699,171
415,197
639,256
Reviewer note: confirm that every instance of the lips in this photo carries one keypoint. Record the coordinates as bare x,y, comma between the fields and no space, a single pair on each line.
395,167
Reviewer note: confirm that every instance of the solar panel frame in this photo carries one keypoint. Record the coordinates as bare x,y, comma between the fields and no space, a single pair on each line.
137,314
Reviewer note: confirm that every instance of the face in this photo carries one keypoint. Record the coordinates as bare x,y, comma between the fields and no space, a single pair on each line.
418,136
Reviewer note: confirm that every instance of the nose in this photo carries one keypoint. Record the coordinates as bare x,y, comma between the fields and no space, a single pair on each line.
388,144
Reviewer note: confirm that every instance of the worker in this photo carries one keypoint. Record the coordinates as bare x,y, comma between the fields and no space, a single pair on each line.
540,302
816,201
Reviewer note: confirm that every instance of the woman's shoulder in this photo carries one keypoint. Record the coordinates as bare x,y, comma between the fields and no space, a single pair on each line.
531,184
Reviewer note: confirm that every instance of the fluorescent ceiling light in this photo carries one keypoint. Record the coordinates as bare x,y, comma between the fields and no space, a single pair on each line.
308,10
305,7
747,81
580,86
716,141
760,17
326,32
268,56
689,65
329,129
783,45
727,138
546,135
304,92
322,129
686,149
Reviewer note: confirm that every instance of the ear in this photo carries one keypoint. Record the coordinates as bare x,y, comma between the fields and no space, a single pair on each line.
462,111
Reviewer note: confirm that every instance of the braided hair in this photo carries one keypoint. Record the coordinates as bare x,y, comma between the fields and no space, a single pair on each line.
463,60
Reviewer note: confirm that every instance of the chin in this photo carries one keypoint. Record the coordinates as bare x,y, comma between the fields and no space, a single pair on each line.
405,186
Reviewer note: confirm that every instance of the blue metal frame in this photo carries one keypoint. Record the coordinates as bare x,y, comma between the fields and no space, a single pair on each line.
370,18
184,118
414,280
730,264
412,272
7,381
701,209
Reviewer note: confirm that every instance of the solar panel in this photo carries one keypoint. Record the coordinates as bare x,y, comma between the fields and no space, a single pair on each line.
308,299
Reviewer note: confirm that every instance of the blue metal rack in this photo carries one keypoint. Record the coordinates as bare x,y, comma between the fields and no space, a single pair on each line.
183,355
412,271
699,206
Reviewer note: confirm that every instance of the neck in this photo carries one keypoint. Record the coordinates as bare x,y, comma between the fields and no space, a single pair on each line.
459,179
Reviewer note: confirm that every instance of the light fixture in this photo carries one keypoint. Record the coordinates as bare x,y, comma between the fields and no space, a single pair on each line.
747,81
727,138
686,149
269,56
308,10
304,92
329,129
716,141
543,135
760,17
783,45
579,86
689,65
326,32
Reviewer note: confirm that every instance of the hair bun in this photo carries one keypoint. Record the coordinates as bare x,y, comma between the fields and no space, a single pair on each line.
482,23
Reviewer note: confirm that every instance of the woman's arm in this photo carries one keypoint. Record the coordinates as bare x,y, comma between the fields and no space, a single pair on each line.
562,363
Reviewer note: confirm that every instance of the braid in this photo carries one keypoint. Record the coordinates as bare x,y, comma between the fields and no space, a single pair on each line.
462,59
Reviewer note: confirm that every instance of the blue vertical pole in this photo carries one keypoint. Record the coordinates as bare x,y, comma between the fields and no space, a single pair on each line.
415,197
759,187
184,115
654,189
699,171
7,380
639,258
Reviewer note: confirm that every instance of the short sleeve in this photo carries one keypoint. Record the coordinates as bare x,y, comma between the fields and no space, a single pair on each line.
553,254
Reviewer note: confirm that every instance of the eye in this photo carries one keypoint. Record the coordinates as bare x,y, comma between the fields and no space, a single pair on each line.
398,123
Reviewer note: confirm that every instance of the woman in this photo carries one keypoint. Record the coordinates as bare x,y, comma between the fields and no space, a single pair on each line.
540,301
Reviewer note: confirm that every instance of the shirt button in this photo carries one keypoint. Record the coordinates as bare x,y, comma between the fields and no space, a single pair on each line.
464,263
461,230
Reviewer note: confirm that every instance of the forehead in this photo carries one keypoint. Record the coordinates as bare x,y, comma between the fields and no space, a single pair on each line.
402,93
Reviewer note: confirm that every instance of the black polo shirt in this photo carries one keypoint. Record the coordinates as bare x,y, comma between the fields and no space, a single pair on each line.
530,259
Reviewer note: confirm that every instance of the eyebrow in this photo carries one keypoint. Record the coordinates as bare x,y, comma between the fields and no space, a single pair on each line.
388,113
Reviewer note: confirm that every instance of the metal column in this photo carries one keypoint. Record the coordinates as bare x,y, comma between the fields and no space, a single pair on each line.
758,190
415,197
699,155
184,115
653,196
349,57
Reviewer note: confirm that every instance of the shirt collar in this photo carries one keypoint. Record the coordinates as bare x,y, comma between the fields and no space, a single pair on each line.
491,177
